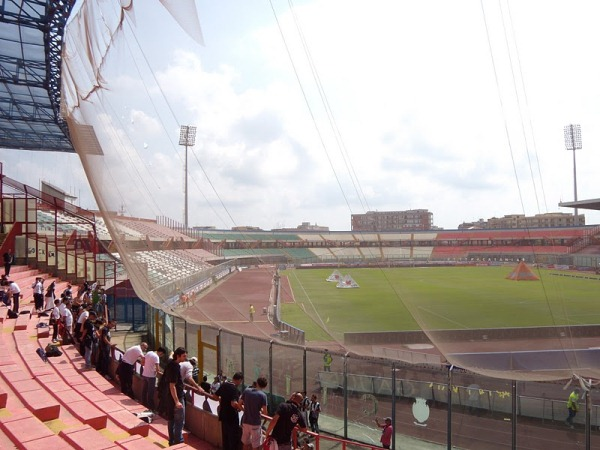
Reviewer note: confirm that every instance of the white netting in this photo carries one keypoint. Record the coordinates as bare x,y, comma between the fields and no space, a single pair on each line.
125,135
122,123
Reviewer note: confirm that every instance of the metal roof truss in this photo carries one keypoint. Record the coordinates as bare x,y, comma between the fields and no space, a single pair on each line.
31,35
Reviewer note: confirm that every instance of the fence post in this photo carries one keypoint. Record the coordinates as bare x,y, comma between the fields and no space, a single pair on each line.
304,374
346,395
271,372
394,404
514,415
219,365
242,368
588,413
449,424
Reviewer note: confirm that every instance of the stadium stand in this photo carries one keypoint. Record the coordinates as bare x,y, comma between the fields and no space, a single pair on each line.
368,390
168,257
396,253
369,253
150,229
56,402
298,254
366,237
312,237
396,237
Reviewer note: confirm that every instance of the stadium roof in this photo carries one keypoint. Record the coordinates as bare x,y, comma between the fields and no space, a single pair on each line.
583,204
31,35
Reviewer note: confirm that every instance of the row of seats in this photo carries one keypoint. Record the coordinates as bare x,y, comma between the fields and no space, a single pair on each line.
170,265
150,228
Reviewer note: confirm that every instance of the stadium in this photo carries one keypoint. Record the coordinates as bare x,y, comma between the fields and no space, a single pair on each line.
466,338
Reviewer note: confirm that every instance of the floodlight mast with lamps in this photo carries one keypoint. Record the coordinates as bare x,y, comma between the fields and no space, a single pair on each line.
187,138
573,142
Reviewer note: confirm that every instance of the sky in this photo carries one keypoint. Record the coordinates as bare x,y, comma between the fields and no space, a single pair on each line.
455,107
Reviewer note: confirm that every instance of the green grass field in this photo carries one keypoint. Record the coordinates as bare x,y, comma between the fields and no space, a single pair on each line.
436,298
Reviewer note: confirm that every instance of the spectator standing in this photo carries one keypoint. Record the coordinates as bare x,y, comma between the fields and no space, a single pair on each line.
127,367
38,294
149,374
254,402
15,291
68,293
83,292
216,384
8,261
95,296
386,431
61,309
229,408
104,349
174,402
67,318
50,297
313,414
89,338
102,303
195,370
187,374
204,384
572,407
79,327
83,316
54,319
286,418
305,407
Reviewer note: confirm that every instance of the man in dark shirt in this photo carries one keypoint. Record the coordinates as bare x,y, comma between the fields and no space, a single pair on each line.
104,349
286,418
229,411
8,260
89,338
174,399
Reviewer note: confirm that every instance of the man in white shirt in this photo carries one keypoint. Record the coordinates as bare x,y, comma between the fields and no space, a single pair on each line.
54,319
187,375
68,319
127,367
151,365
15,291
83,316
61,310
38,294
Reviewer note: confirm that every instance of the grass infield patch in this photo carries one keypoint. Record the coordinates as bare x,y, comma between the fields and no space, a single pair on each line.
404,299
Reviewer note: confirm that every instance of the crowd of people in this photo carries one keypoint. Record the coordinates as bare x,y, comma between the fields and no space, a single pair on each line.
180,378
82,318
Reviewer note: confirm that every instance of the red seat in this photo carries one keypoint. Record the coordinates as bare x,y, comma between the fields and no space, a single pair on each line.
130,422
86,438
136,442
3,398
22,427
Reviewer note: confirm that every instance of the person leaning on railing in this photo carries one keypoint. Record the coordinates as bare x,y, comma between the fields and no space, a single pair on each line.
287,417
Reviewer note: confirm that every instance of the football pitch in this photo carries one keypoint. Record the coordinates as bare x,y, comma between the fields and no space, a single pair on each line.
404,299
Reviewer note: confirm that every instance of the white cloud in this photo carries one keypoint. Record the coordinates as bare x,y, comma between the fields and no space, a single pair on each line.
424,119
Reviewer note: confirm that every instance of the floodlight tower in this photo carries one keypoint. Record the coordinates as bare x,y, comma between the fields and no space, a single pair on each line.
573,142
187,138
